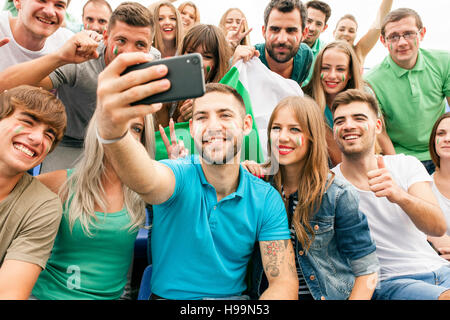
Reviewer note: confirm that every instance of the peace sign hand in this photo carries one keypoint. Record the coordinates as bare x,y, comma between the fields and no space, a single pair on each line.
234,38
174,149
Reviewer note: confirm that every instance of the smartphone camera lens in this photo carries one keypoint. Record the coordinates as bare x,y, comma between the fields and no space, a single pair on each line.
195,61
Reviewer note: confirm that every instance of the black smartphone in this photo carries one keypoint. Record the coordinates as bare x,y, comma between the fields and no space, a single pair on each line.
185,75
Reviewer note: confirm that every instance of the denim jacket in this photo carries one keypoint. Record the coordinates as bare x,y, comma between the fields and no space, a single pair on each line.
342,248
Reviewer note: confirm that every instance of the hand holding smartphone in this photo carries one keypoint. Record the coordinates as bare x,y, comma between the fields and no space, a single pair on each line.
185,75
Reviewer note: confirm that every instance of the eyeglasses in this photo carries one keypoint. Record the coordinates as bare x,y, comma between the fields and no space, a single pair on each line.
407,36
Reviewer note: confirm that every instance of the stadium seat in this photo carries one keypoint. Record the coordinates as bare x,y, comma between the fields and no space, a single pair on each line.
140,257
140,246
35,171
145,287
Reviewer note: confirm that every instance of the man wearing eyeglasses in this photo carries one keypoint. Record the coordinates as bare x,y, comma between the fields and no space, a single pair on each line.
411,84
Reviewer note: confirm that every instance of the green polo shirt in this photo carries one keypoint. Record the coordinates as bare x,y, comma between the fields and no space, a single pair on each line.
317,46
412,100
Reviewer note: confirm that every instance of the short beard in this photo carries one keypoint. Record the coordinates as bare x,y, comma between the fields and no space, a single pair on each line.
358,154
289,55
227,158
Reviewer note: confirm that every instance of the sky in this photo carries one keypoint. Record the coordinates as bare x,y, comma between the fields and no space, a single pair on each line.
434,17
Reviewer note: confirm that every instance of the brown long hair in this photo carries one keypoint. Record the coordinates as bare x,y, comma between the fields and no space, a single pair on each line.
313,178
158,42
213,41
431,143
315,88
190,3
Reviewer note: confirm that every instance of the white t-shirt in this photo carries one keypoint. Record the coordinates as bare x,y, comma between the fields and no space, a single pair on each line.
444,203
13,53
401,248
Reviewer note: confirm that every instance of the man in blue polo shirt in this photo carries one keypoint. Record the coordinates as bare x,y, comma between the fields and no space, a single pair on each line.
283,51
208,212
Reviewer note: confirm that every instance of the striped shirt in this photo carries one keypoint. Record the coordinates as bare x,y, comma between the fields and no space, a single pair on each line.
303,290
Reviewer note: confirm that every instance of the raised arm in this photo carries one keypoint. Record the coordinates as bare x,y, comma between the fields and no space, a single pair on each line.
154,181
279,266
79,48
369,40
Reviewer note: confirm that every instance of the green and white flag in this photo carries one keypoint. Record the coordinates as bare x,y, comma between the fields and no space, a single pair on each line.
261,90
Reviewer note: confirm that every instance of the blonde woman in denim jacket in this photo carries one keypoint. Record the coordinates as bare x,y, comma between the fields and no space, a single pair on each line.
335,254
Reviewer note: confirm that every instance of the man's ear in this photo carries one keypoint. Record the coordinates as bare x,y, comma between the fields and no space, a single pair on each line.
263,29
383,41
305,33
248,124
422,33
379,126
105,35
191,130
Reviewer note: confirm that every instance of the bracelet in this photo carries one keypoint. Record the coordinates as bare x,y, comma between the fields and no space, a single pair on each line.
109,141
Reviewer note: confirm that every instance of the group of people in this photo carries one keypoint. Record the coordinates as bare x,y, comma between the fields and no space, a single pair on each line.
343,207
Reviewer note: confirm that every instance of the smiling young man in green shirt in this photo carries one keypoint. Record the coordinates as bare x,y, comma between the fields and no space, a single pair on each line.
318,14
411,84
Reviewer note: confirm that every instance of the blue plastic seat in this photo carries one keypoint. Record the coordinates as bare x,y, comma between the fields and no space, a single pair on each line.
145,288
35,171
141,243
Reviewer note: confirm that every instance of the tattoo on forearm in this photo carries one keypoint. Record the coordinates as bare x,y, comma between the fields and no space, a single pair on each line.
272,253
291,265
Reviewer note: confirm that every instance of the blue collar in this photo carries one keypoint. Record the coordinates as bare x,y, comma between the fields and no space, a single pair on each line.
242,178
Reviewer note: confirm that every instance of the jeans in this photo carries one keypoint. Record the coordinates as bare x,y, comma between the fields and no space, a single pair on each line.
421,286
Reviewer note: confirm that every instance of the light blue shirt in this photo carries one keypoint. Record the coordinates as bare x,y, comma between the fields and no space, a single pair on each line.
201,247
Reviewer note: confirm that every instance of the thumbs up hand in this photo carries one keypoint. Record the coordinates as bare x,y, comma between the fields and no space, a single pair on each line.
380,162
382,184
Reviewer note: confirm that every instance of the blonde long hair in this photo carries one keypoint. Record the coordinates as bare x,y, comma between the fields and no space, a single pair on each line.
246,40
197,11
313,178
158,41
84,188
315,88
